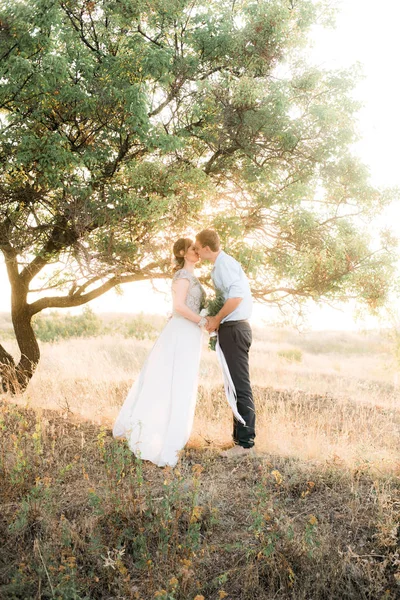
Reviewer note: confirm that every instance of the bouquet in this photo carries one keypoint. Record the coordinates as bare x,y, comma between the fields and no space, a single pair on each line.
212,307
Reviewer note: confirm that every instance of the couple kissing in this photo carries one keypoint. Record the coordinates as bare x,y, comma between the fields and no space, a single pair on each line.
157,416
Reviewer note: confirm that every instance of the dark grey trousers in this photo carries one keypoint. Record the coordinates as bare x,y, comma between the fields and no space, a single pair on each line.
235,339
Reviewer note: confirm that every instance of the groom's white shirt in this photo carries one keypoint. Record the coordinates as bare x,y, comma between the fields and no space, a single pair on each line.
229,278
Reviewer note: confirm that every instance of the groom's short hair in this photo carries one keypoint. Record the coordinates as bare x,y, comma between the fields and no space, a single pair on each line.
210,238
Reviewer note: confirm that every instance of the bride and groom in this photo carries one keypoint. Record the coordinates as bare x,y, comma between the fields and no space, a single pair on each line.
157,416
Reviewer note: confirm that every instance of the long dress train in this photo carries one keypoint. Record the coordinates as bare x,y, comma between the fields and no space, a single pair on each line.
157,415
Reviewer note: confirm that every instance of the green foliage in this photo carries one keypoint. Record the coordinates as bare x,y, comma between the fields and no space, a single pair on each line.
291,355
212,307
53,327
126,124
141,329
56,326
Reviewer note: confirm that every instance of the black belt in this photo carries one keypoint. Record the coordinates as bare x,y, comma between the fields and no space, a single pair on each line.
231,323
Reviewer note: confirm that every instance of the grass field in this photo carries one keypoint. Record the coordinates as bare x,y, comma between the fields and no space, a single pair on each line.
314,515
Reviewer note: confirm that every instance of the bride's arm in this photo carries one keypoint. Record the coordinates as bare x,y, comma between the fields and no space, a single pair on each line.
180,289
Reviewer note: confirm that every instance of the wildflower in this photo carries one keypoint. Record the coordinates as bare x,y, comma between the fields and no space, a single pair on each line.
186,562
222,594
278,476
173,582
313,520
109,562
197,469
196,514
199,597
71,562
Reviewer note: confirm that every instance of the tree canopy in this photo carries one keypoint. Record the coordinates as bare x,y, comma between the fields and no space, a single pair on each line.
127,123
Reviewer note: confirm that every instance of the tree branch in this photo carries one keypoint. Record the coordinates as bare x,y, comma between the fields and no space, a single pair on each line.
79,29
139,30
261,294
172,94
78,300
60,238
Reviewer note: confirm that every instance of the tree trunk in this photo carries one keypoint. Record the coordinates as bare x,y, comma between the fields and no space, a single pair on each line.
15,378
7,368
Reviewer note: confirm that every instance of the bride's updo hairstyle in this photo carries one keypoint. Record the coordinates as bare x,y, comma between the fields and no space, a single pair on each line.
180,248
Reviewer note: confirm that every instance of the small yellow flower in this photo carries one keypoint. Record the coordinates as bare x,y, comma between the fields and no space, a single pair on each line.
186,562
196,514
278,476
313,520
199,597
222,594
173,582
197,469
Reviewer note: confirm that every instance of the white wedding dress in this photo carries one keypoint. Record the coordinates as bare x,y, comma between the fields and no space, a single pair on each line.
157,415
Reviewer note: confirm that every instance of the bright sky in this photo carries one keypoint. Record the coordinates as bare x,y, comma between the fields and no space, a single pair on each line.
366,32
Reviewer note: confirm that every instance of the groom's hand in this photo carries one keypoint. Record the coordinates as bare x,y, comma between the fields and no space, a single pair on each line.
212,324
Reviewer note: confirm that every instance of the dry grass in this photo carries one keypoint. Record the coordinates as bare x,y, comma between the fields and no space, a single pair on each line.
315,515
329,404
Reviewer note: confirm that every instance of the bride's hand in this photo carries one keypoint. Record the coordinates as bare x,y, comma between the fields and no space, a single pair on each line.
212,324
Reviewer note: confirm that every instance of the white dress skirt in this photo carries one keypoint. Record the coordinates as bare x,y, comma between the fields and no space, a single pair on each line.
157,416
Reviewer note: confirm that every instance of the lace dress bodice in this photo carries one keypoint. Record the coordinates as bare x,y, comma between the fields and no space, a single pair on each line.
196,295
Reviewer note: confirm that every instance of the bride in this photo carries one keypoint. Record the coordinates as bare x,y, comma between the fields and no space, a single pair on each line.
157,415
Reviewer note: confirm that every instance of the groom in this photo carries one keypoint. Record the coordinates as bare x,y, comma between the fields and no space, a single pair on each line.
234,332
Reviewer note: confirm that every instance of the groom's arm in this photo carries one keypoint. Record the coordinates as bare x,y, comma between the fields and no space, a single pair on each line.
230,305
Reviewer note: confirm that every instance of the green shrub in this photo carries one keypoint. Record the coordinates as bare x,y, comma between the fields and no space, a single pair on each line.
56,326
140,329
291,355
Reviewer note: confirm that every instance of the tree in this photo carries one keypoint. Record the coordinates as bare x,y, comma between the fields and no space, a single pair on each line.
125,123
